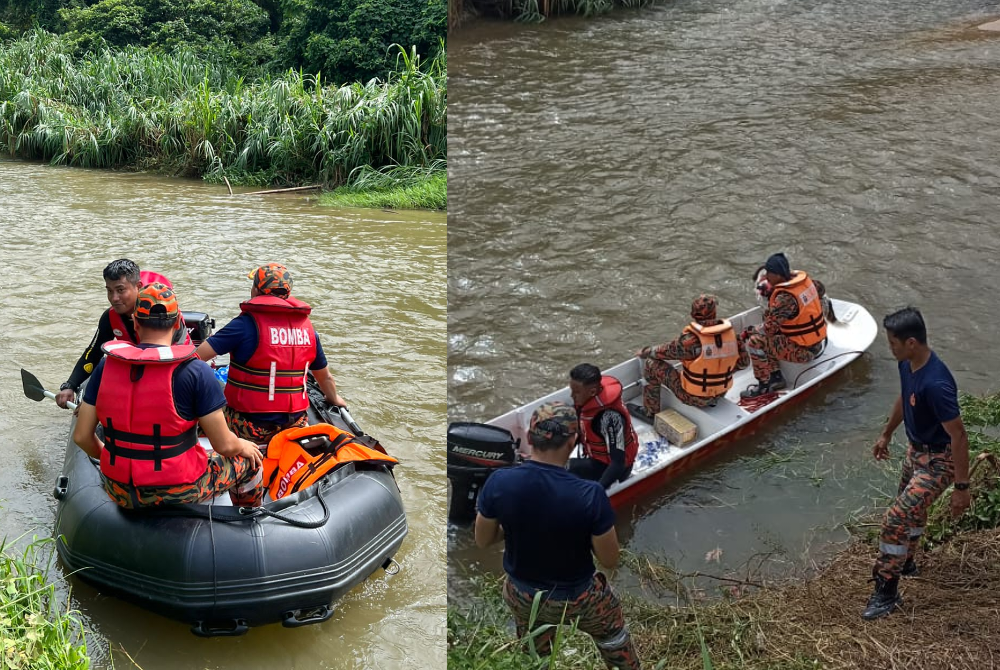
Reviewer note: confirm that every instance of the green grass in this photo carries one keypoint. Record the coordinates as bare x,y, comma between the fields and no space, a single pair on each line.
398,187
36,633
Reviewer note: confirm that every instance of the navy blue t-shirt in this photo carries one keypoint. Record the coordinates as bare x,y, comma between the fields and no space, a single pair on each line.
196,390
930,398
548,516
238,338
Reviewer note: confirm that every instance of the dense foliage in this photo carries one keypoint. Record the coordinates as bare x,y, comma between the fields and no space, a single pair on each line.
138,109
340,40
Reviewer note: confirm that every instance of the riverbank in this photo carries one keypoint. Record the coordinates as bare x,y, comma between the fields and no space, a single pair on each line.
182,115
811,620
36,631
393,188
948,620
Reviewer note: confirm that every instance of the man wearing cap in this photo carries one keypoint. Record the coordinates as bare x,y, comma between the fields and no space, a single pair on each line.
609,441
794,327
123,281
272,345
552,524
150,398
709,352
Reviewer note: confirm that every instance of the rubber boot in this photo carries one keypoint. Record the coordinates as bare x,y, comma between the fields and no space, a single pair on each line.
910,568
884,599
640,412
775,382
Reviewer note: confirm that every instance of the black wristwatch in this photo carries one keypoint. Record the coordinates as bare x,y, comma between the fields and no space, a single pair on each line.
67,385
961,486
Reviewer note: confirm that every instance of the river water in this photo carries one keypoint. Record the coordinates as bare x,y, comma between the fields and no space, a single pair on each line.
376,281
604,172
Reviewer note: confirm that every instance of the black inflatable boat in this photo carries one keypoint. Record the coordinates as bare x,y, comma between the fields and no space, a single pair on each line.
224,572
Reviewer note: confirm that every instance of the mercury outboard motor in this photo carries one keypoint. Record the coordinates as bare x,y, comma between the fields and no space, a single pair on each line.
475,451
198,325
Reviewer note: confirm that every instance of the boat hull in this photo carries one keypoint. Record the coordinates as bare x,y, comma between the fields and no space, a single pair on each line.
222,573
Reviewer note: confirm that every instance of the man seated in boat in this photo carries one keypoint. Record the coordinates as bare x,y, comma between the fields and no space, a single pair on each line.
793,329
552,525
606,433
271,344
123,280
709,351
150,398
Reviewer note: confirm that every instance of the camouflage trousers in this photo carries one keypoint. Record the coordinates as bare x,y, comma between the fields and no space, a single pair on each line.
599,614
258,432
765,352
236,475
924,477
658,372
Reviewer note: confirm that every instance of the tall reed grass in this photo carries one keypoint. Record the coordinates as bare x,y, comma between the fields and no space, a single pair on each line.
136,109
36,632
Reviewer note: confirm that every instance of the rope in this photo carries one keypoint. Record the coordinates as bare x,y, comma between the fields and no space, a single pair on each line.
754,404
251,512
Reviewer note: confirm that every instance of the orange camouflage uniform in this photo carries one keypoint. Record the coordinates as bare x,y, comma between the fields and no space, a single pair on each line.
768,346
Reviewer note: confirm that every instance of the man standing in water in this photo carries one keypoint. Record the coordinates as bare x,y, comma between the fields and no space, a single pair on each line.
550,522
937,455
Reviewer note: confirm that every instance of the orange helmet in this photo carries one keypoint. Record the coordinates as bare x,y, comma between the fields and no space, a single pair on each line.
272,279
157,305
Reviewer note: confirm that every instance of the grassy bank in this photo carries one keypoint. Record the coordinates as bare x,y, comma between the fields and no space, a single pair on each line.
36,631
178,114
395,188
949,617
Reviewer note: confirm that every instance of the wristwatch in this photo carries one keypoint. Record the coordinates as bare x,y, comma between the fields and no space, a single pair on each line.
66,385
961,486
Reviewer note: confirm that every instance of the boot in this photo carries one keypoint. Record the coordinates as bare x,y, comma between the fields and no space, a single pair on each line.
775,382
640,412
910,568
884,599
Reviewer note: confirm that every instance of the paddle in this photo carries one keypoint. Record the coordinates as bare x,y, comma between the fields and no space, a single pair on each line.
349,420
34,390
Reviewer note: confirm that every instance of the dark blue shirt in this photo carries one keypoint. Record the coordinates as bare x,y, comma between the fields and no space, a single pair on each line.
196,390
239,339
930,398
548,517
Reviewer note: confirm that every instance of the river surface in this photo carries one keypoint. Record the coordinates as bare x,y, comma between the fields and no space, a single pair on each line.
605,172
376,281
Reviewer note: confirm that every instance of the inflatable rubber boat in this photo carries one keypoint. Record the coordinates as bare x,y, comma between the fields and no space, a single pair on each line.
223,569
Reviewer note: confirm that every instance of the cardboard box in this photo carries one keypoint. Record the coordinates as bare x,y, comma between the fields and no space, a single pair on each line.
674,426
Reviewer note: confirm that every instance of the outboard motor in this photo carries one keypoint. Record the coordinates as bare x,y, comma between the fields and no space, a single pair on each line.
199,326
475,451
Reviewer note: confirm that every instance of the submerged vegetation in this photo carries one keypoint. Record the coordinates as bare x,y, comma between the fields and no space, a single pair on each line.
137,109
948,618
534,11
35,632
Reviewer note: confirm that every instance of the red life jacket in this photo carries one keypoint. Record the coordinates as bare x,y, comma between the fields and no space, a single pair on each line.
181,335
610,397
274,379
146,443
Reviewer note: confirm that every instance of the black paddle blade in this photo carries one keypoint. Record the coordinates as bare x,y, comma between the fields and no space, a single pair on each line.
33,388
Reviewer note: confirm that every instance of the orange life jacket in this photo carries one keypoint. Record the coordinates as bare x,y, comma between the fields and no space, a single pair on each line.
711,374
273,380
299,457
146,443
610,397
809,327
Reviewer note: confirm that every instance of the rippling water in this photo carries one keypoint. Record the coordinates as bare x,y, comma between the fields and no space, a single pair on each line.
376,282
604,172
